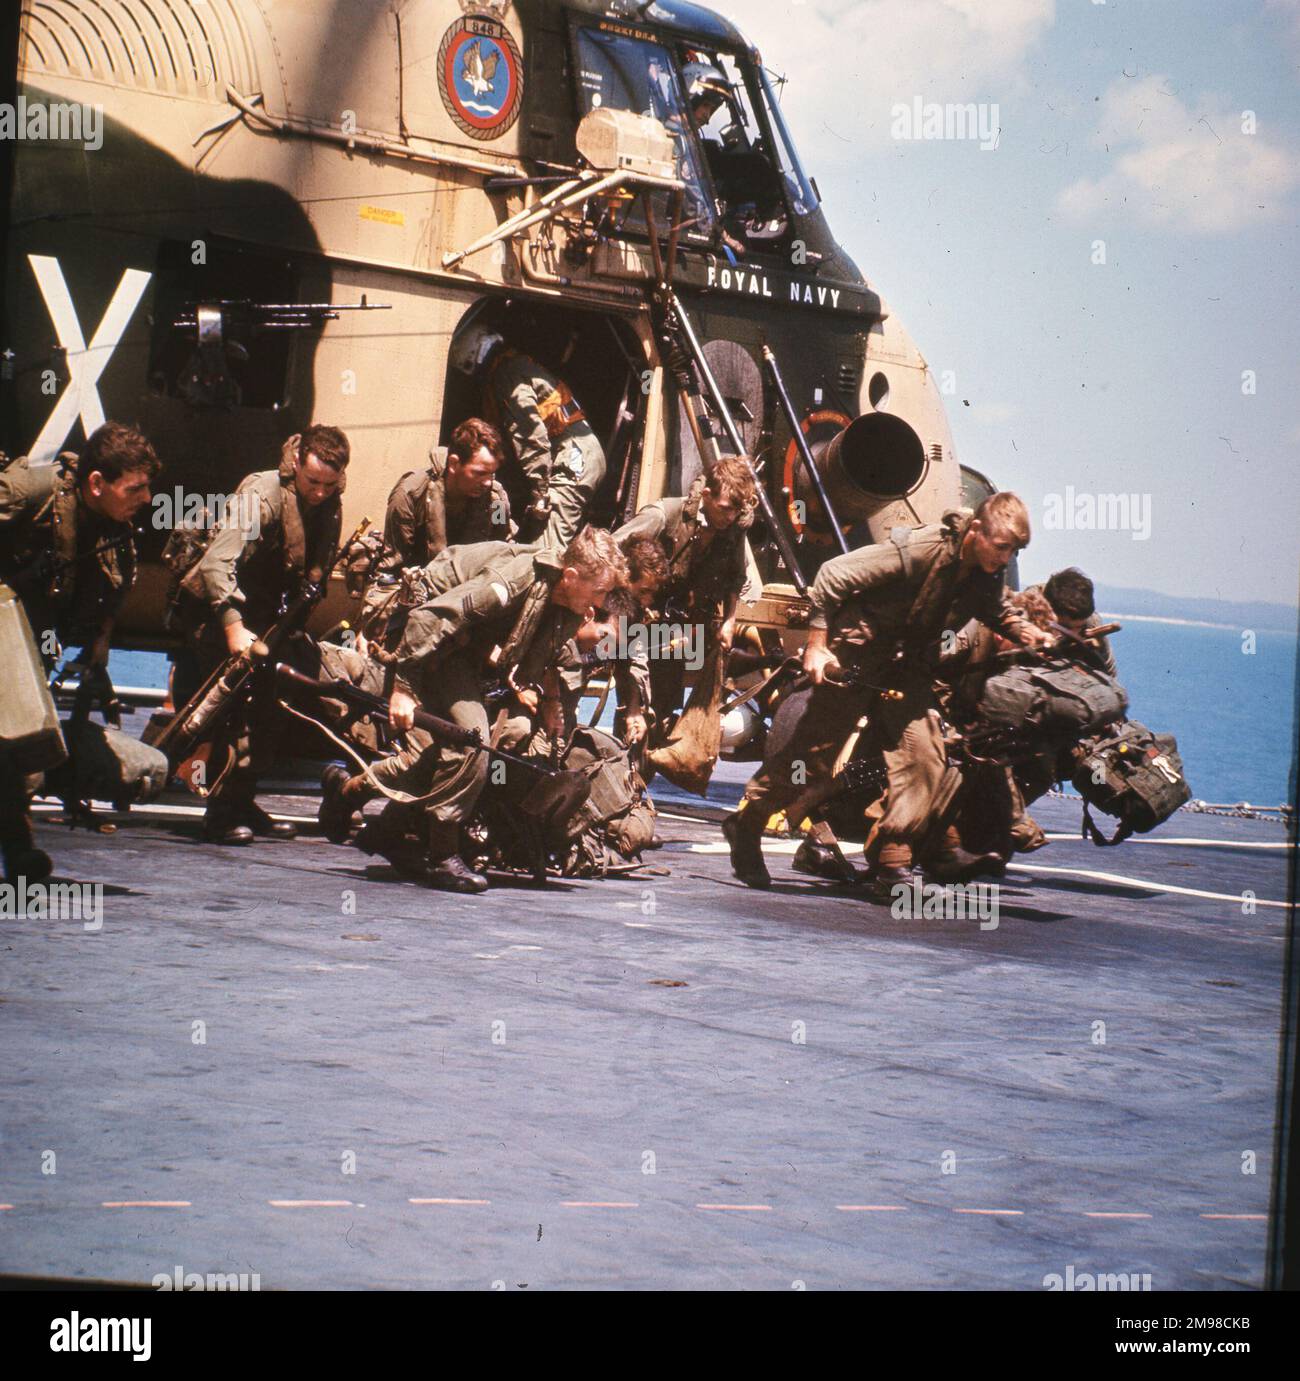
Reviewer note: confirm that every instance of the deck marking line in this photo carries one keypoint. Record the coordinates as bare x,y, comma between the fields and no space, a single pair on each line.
1239,1217
994,1212
1189,842
1143,884
147,1203
311,1203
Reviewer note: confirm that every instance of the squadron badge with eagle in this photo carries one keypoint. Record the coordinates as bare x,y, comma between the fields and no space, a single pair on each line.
480,75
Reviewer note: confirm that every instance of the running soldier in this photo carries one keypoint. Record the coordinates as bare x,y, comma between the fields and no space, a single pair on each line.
907,592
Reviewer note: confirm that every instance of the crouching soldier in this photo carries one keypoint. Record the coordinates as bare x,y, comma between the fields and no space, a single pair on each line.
455,502
908,592
704,537
67,551
494,591
1072,600
280,532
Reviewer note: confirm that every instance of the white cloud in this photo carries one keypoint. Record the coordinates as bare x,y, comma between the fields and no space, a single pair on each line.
1179,167
850,63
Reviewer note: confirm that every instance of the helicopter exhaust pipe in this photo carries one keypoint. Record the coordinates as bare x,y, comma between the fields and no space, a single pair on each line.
877,458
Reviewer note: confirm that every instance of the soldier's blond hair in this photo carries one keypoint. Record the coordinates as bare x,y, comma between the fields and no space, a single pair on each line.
1004,513
593,552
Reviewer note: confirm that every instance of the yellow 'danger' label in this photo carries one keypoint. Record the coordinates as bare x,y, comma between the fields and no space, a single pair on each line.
383,215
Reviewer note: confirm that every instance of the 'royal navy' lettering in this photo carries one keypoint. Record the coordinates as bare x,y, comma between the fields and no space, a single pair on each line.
757,284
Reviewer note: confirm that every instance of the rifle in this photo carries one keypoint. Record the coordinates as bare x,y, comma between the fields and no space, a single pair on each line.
444,730
233,681
1087,637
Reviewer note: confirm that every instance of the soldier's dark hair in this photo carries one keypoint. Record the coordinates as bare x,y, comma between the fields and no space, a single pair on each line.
1070,593
619,605
327,444
114,450
645,556
474,435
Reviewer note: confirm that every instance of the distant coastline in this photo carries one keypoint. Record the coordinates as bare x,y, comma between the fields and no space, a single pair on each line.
1185,623
1260,616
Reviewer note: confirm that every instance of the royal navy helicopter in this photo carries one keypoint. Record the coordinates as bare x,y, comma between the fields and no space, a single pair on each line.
231,218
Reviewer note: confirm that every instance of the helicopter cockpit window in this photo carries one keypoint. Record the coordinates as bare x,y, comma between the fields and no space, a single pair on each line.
751,184
799,188
623,73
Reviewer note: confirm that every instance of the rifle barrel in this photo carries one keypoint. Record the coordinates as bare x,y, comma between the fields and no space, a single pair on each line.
443,729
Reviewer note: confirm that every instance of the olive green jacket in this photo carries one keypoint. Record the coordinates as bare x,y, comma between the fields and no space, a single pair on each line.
469,597
254,558
419,525
704,578
909,590
48,542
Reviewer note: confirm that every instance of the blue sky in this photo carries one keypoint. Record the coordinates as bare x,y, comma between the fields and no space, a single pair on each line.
1120,122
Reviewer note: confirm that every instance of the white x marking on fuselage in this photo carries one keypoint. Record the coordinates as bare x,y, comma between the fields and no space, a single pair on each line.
85,363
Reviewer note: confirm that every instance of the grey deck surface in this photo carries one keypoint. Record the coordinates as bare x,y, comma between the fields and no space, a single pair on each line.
346,1011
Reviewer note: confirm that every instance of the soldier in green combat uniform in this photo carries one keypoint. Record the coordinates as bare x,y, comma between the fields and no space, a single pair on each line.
68,552
455,502
476,597
561,458
889,605
281,529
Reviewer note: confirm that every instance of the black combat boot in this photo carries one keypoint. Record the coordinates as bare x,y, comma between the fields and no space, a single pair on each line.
220,826
261,823
890,867
746,850
22,859
821,860
26,861
335,809
453,874
957,865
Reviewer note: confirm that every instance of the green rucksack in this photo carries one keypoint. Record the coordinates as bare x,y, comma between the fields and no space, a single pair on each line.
1055,697
1132,774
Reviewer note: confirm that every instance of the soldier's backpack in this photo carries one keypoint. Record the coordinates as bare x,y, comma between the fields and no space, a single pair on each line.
1132,774
105,764
1055,697
617,820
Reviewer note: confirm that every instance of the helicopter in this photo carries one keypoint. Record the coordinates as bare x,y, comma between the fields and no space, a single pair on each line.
242,216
